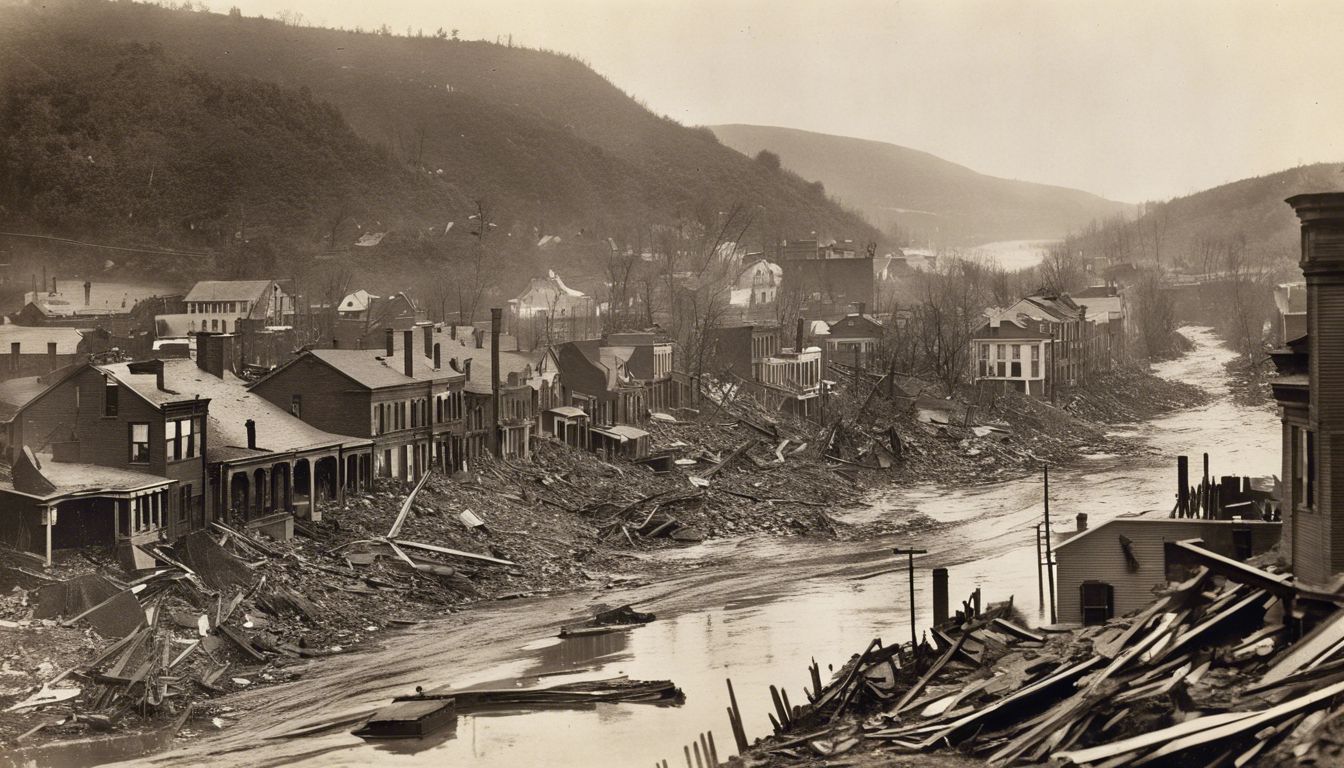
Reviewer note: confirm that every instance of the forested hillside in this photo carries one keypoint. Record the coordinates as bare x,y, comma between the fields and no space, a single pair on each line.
553,147
119,143
926,197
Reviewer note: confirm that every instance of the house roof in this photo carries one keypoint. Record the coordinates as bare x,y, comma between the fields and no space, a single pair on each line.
568,411
621,431
72,478
33,340
509,362
370,368
1156,522
228,290
231,405
356,302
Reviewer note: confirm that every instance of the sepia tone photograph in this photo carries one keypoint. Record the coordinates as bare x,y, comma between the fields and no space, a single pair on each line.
672,383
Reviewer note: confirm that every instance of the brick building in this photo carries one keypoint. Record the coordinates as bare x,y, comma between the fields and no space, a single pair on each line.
827,279
412,409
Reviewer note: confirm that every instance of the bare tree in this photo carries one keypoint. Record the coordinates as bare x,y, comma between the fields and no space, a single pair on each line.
952,305
470,283
1061,270
702,291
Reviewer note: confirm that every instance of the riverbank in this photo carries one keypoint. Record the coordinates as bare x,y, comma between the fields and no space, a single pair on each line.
565,522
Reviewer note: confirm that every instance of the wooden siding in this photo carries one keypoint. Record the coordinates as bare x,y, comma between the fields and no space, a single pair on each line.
1096,555
330,401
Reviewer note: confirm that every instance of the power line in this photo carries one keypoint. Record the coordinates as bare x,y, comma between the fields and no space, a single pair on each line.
126,249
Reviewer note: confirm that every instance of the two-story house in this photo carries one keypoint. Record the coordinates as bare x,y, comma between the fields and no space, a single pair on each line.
1013,350
854,338
409,403
217,306
100,459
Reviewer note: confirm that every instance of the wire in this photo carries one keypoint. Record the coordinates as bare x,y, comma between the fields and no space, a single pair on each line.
107,247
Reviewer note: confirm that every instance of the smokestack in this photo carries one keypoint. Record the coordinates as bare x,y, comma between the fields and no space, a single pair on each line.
88,292
390,342
437,359
408,354
798,344
495,318
14,355
51,355
1322,217
251,434
428,332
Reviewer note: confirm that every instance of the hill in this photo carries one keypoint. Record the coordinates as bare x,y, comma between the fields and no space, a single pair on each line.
925,196
122,144
552,146
1232,226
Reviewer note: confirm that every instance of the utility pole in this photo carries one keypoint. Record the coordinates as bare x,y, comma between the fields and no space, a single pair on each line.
1049,548
914,639
1040,579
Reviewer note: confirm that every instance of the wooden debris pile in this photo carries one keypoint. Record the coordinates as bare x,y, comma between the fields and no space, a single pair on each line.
1208,674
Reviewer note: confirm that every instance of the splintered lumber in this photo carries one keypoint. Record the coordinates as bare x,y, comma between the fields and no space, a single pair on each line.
452,552
1007,627
1328,634
1062,678
933,670
1217,621
406,507
729,459
1250,724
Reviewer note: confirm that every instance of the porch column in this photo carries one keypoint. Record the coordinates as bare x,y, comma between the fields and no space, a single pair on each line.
312,487
49,519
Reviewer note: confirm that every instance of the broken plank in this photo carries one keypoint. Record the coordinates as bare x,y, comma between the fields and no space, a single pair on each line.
453,552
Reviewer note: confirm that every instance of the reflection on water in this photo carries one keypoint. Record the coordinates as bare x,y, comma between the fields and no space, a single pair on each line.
765,638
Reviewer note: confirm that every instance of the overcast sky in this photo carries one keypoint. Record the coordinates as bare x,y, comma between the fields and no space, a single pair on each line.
1129,99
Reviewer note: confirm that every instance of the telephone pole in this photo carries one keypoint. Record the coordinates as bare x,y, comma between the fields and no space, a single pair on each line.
914,639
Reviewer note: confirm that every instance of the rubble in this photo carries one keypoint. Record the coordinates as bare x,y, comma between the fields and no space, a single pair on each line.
1206,675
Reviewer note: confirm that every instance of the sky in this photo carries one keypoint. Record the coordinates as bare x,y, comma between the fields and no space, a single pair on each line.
1130,99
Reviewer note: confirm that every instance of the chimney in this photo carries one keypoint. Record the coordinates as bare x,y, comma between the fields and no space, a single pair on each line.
390,342
51,355
1315,549
53,284
466,369
495,318
14,355
1081,520
479,337
251,434
863,307
452,331
428,332
200,348
408,354
335,343
437,359
88,292
798,344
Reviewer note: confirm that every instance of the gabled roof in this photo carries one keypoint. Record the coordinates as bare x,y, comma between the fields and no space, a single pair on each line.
356,302
371,369
228,290
510,361
105,297
231,405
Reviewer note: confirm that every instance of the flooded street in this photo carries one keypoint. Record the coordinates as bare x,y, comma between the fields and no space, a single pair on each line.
754,610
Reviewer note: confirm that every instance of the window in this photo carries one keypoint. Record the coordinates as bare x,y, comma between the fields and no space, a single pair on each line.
139,443
1017,351
111,396
179,439
296,406
1304,468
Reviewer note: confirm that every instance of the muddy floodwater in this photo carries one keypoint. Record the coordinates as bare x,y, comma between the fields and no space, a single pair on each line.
755,610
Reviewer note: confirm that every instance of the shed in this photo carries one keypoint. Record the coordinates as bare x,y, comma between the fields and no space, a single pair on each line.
620,440
1112,569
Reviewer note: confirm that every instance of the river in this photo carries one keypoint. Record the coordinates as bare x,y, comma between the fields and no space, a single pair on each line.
755,610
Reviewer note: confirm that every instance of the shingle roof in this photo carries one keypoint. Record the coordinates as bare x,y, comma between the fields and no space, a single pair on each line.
369,368
509,362
228,290
231,405
70,477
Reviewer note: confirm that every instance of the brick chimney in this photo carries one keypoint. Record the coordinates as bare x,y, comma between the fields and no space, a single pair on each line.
437,359
51,356
14,347
251,434
452,331
390,342
1318,539
408,354
428,332
88,292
